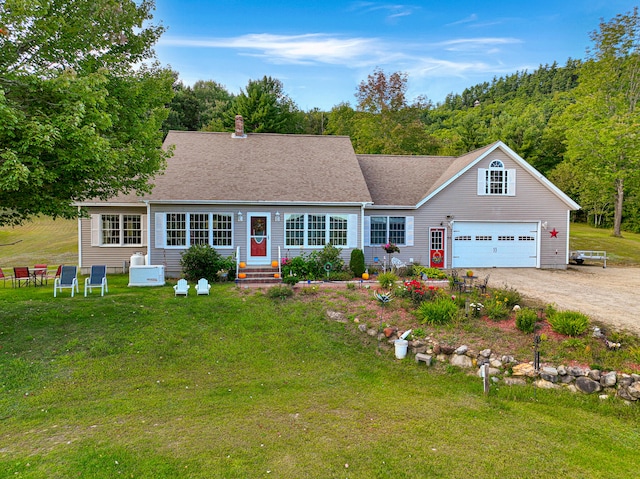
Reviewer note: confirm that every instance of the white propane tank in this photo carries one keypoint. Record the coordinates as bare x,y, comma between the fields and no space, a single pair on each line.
137,259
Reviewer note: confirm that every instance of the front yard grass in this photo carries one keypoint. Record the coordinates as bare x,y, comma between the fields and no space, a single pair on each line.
237,385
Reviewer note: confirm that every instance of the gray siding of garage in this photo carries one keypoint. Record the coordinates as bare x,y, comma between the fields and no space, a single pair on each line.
533,202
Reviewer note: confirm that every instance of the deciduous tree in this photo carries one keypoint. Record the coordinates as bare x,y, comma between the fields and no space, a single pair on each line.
80,113
603,122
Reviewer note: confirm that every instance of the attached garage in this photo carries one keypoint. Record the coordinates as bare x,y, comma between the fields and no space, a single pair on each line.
494,244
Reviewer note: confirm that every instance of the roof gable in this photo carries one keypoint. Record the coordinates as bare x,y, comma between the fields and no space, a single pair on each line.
411,181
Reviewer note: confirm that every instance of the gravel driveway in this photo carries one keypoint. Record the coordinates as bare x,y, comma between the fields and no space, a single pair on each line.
607,295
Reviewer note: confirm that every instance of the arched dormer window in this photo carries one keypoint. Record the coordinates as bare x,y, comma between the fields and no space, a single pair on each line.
496,180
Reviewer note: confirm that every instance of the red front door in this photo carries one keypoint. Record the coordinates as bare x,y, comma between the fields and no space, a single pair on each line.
436,248
258,236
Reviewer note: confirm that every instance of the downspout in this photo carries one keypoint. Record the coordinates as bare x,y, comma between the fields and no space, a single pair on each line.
146,202
566,252
362,226
79,239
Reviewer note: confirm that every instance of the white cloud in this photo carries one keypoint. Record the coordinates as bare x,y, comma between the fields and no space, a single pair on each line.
295,49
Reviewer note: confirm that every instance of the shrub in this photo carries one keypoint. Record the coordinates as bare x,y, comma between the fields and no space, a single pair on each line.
290,279
356,264
330,254
387,280
433,273
339,276
440,311
526,320
280,292
202,261
569,323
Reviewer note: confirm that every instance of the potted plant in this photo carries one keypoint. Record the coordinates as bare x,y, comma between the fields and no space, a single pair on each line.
391,248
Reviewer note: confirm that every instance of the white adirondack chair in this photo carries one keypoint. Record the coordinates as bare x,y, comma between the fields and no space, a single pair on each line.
182,288
203,286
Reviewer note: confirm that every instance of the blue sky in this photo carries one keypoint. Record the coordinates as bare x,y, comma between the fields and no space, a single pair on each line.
322,50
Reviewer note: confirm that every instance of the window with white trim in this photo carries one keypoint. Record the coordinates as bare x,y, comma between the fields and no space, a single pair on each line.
131,229
316,230
118,230
388,229
496,180
294,230
222,228
176,228
187,229
198,228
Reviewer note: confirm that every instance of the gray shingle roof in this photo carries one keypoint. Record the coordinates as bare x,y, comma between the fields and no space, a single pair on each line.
275,168
405,180
262,167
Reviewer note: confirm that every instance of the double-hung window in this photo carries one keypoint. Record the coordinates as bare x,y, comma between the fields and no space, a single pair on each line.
317,230
118,230
496,180
388,229
187,229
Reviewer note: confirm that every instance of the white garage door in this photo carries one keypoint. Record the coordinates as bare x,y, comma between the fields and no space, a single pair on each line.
485,245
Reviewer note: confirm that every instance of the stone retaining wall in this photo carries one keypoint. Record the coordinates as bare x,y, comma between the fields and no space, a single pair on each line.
509,371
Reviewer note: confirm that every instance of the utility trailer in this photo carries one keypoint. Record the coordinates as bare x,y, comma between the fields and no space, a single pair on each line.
581,255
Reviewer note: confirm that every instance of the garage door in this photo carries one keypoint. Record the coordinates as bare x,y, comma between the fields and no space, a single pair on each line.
485,245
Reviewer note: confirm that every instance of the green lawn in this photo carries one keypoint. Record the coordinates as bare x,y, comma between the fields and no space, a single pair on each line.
236,385
623,251
41,241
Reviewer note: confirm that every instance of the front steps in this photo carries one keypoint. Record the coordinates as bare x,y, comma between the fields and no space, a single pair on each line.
258,274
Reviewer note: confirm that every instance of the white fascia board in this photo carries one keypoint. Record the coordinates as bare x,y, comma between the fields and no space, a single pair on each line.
254,203
110,204
557,191
390,207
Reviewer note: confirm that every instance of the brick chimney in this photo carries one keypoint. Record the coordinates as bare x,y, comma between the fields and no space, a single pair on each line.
239,131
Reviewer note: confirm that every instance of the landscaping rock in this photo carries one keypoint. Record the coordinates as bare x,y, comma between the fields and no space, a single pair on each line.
562,370
594,374
587,386
550,374
462,350
372,332
337,316
567,379
544,384
625,380
461,360
609,380
388,332
485,353
508,359
446,349
577,371
496,363
634,390
524,369
623,393
362,328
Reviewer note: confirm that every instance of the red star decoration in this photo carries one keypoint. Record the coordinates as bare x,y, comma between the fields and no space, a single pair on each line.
554,233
